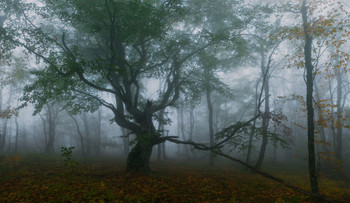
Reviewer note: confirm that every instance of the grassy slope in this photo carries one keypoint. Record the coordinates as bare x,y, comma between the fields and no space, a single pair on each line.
38,178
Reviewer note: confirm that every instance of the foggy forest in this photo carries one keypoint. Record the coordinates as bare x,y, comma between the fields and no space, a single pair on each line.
174,101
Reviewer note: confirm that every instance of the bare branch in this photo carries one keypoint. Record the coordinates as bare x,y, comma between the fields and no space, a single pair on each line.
262,173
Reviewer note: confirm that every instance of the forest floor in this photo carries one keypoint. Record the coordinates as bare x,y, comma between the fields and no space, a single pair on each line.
39,178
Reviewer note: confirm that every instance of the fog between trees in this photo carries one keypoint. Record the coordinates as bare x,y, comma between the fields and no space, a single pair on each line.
257,81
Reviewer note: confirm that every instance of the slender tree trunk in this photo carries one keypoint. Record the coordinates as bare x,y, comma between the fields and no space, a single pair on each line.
9,149
50,137
338,152
265,117
309,104
44,128
274,154
17,134
210,122
320,117
252,132
190,133
183,130
4,132
52,119
87,134
1,99
24,140
49,149
79,133
98,141
1,119
332,121
179,131
250,143
322,165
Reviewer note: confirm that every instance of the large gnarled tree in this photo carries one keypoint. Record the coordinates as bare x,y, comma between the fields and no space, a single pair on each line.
107,47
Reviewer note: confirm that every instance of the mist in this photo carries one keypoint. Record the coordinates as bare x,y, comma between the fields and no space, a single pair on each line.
174,101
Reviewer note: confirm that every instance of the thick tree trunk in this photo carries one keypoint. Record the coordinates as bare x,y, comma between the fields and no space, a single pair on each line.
309,104
139,157
161,130
265,117
159,152
126,142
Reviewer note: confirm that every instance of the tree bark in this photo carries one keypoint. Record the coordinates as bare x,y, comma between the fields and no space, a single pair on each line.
161,130
17,134
322,165
49,148
98,137
52,119
79,133
265,117
210,115
126,142
182,128
309,101
4,131
139,156
87,135
338,152
190,133
252,132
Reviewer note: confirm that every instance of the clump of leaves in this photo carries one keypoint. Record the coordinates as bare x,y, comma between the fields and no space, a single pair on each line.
66,153
8,113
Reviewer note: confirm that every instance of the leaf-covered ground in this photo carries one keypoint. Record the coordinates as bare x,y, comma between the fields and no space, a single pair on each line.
38,178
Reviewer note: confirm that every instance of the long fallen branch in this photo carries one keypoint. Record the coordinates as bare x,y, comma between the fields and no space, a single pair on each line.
199,146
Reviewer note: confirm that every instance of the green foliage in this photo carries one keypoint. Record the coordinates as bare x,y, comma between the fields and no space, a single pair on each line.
52,87
8,113
66,153
77,46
